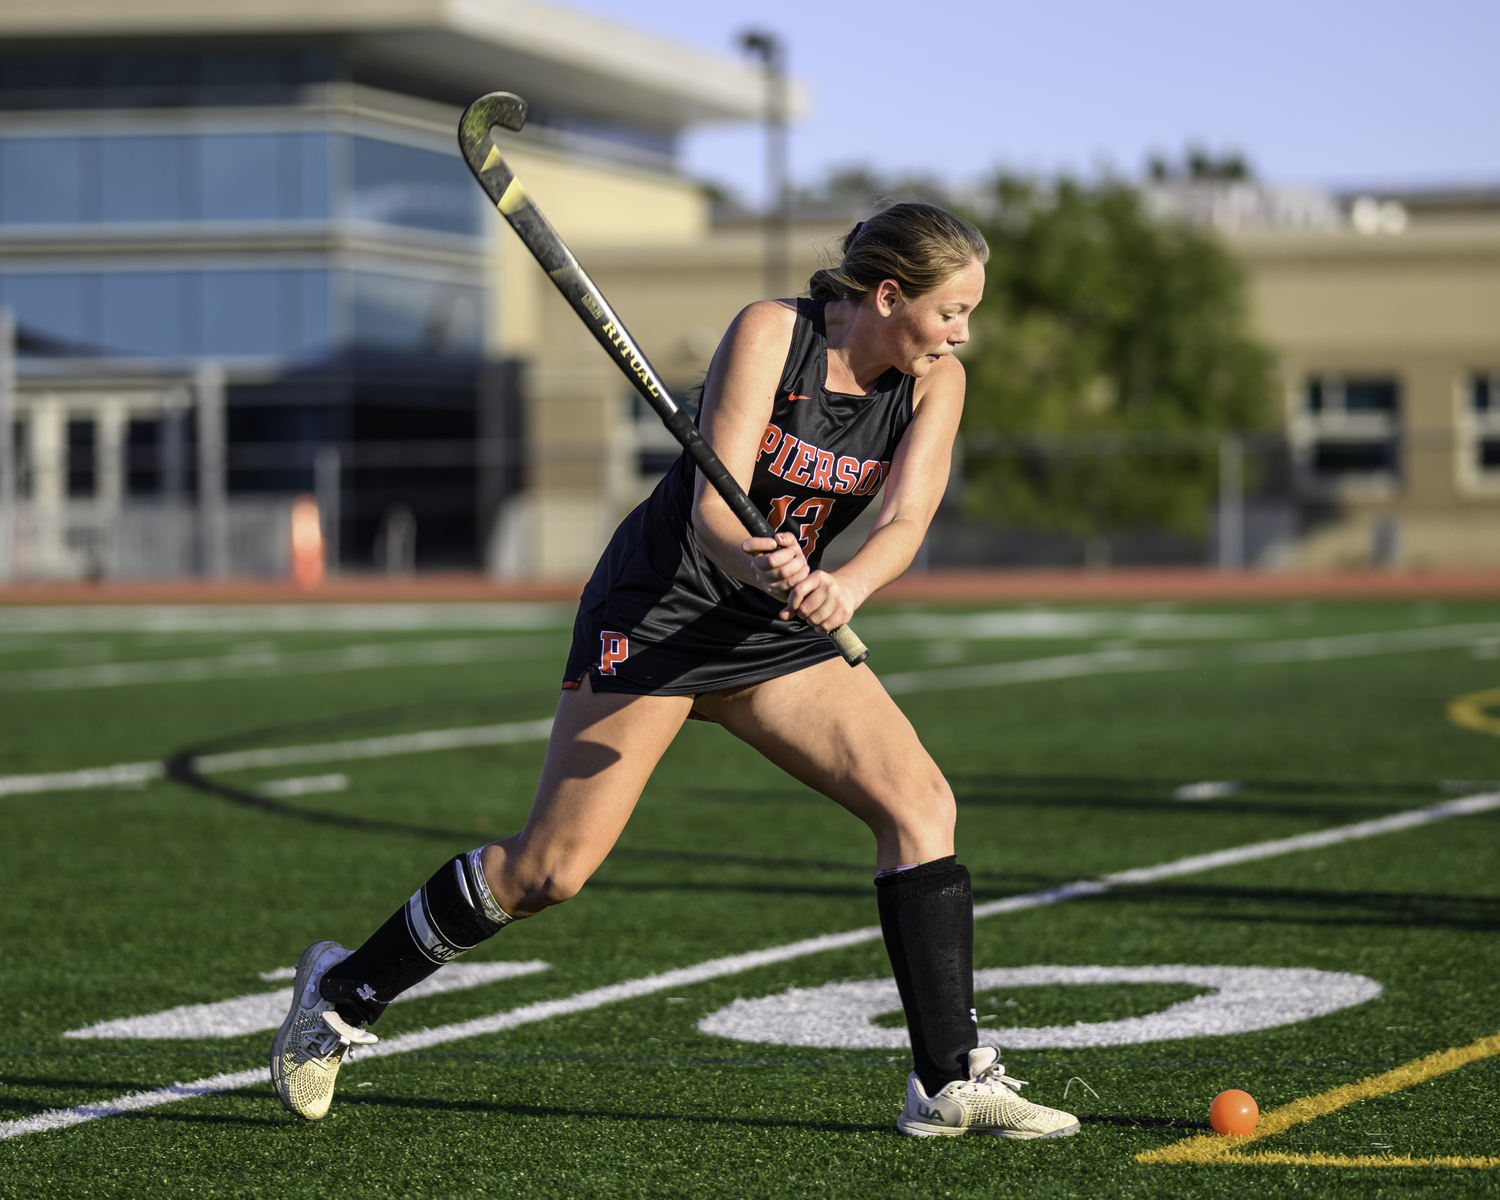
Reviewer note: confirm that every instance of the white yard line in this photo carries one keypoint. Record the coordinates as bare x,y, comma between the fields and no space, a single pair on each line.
379,747
281,618
717,968
265,1010
1121,661
1031,670
280,756
119,775
1056,623
1037,670
307,785
269,662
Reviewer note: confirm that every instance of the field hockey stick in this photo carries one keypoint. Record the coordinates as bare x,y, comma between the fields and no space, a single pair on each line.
502,187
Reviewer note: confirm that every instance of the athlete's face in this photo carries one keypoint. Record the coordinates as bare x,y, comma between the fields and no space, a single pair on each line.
933,325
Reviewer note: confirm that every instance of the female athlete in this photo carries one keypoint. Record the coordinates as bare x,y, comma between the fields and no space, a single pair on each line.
813,405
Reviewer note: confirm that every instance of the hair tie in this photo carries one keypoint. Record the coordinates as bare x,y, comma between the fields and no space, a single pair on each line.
854,233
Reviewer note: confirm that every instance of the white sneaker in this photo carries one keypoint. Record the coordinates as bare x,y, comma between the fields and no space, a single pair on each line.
987,1102
310,1044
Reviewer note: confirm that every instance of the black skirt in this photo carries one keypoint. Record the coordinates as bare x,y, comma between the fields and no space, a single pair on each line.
659,619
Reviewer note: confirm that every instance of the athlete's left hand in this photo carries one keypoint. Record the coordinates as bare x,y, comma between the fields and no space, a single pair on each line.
818,597
823,600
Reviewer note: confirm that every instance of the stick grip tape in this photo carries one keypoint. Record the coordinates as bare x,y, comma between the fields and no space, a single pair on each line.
853,650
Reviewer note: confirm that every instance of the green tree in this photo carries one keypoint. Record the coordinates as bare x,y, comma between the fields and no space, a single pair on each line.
1108,346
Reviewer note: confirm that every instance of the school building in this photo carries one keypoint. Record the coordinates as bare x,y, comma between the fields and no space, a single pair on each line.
247,262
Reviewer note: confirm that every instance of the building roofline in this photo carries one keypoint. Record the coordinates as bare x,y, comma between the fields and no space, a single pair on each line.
557,57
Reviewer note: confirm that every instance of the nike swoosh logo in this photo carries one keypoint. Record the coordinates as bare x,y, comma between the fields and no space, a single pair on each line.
794,396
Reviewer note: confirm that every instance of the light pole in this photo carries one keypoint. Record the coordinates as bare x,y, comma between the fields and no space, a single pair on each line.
772,53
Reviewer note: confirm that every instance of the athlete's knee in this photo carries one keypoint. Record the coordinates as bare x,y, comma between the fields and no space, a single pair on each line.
920,804
558,885
933,809
533,881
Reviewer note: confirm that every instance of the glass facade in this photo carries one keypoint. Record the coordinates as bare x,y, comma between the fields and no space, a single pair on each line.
406,186
243,314
329,254
208,180
160,78
213,178
175,314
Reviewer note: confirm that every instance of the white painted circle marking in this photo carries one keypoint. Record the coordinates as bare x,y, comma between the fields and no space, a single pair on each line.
1243,1000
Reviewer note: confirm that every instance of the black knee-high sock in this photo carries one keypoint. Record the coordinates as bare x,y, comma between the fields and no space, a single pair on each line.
450,913
927,917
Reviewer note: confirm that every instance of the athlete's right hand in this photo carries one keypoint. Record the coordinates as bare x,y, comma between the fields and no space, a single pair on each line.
778,563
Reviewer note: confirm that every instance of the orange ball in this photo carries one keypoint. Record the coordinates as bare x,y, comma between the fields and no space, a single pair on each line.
1233,1112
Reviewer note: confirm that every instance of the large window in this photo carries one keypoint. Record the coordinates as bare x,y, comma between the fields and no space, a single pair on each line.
164,179
1347,432
175,178
157,78
403,185
42,181
171,314
249,313
396,313
1478,424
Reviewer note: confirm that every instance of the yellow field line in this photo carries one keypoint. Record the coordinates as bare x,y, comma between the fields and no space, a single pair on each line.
1469,711
1207,1148
1262,1158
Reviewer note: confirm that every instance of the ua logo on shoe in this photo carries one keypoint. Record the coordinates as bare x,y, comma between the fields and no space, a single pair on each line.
940,1109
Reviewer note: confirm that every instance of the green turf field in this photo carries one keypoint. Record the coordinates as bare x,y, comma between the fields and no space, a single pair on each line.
1081,744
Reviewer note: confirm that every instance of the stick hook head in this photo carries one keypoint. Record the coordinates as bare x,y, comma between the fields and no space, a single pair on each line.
504,109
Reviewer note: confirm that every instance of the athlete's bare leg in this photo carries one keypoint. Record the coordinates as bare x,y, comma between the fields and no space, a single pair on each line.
603,748
839,732
835,729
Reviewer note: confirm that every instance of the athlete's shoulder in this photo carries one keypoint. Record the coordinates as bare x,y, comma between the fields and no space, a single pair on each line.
944,378
765,319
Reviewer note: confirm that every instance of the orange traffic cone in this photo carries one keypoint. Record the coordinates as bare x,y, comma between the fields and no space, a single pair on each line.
308,564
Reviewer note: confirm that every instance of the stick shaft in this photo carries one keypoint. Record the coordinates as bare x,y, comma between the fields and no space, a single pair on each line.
545,244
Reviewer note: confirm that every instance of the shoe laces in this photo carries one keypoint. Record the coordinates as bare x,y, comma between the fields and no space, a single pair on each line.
335,1033
323,1044
994,1077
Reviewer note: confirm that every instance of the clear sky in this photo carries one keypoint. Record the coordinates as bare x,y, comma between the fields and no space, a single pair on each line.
1334,92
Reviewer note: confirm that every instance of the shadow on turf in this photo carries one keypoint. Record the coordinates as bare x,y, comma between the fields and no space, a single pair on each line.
12,1106
846,891
1145,1122
1319,907
182,1118
542,1110
182,768
551,1111
72,1085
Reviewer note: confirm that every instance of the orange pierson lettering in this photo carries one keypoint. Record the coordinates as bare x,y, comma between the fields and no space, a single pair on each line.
846,475
613,648
869,477
786,448
823,471
797,472
768,441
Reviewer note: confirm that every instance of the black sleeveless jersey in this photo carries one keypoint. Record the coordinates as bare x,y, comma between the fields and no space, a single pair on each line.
659,617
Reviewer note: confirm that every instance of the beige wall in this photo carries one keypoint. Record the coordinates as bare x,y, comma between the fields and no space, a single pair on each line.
1423,307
